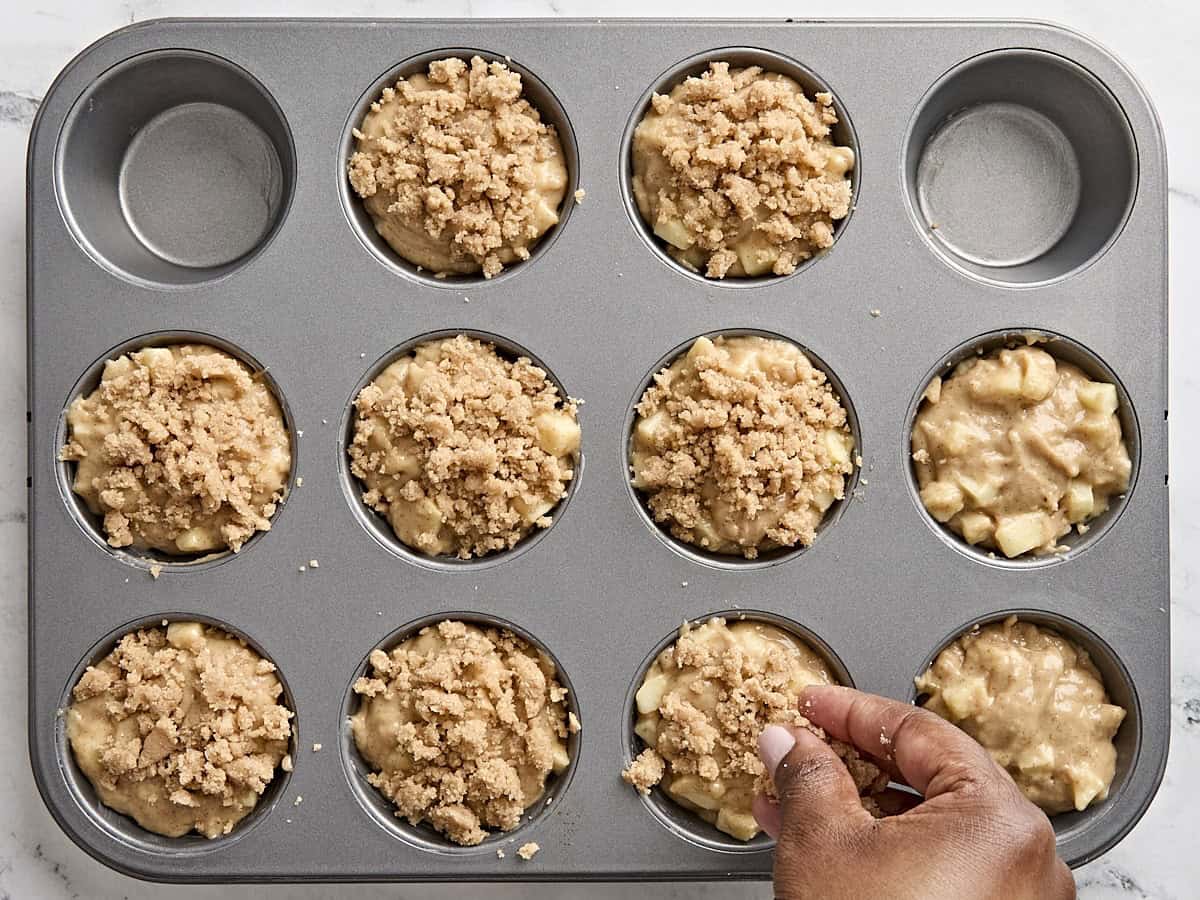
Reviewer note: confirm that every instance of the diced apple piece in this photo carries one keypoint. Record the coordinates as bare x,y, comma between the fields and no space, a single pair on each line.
981,493
196,540
976,527
1020,534
701,348
943,499
650,694
838,160
414,377
650,430
558,433
839,444
559,759
675,233
647,730
742,826
956,438
1086,786
1040,376
1098,397
756,256
1034,757
156,358
692,789
966,697
997,383
531,512
412,518
1080,501
185,635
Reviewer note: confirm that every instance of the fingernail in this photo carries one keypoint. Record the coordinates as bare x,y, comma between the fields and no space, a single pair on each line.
774,744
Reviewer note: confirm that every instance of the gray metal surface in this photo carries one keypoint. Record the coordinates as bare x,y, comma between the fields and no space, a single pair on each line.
316,304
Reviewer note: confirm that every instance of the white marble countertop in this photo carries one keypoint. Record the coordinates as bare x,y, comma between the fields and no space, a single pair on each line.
1155,37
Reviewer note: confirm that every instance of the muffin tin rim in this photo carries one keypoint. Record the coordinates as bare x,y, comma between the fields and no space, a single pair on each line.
76,507
128,833
1044,338
359,220
423,837
676,74
374,522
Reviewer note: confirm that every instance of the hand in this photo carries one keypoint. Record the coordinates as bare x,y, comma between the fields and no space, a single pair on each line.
973,837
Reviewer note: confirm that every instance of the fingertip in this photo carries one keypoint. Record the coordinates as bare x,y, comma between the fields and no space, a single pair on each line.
774,743
768,815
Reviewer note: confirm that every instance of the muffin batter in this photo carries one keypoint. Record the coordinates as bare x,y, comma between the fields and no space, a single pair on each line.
1037,704
740,446
463,451
701,707
462,727
1016,447
181,728
736,172
181,449
457,170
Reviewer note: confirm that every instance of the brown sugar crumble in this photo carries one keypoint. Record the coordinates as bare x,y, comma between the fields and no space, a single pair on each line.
736,170
463,451
181,728
181,449
741,445
701,707
462,727
457,170
528,851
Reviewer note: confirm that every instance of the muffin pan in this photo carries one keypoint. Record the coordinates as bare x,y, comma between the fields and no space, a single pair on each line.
138,231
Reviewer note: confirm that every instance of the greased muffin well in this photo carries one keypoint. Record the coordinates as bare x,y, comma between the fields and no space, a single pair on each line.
1037,704
701,707
182,449
465,452
736,171
1015,448
180,727
740,446
462,726
457,170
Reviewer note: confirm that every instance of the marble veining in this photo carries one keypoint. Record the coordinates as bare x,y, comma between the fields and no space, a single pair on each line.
1158,861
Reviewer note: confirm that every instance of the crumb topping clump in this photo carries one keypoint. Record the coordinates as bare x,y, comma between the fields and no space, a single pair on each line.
740,446
463,451
736,170
181,728
182,449
1016,448
462,727
457,169
701,707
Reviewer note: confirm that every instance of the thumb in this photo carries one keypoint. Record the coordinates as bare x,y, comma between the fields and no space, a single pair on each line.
813,786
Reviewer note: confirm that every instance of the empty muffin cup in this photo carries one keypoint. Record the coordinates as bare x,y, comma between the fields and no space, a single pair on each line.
1070,826
124,828
174,168
1020,167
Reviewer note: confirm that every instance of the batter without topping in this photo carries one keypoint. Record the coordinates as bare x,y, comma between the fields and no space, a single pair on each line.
462,726
464,452
1016,447
1037,704
701,707
741,446
457,170
180,728
182,449
736,171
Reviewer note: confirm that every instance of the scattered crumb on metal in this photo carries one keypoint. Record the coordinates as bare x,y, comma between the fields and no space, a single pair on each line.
579,195
155,571
527,851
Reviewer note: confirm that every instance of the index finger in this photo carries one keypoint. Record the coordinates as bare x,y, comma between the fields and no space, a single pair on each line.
932,756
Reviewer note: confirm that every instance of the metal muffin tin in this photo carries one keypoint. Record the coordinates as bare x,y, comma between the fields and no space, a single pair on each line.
302,287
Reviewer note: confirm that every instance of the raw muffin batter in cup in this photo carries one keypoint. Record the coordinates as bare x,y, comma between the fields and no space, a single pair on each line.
182,449
700,709
180,727
464,451
1015,448
740,446
1037,704
457,170
462,727
736,171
